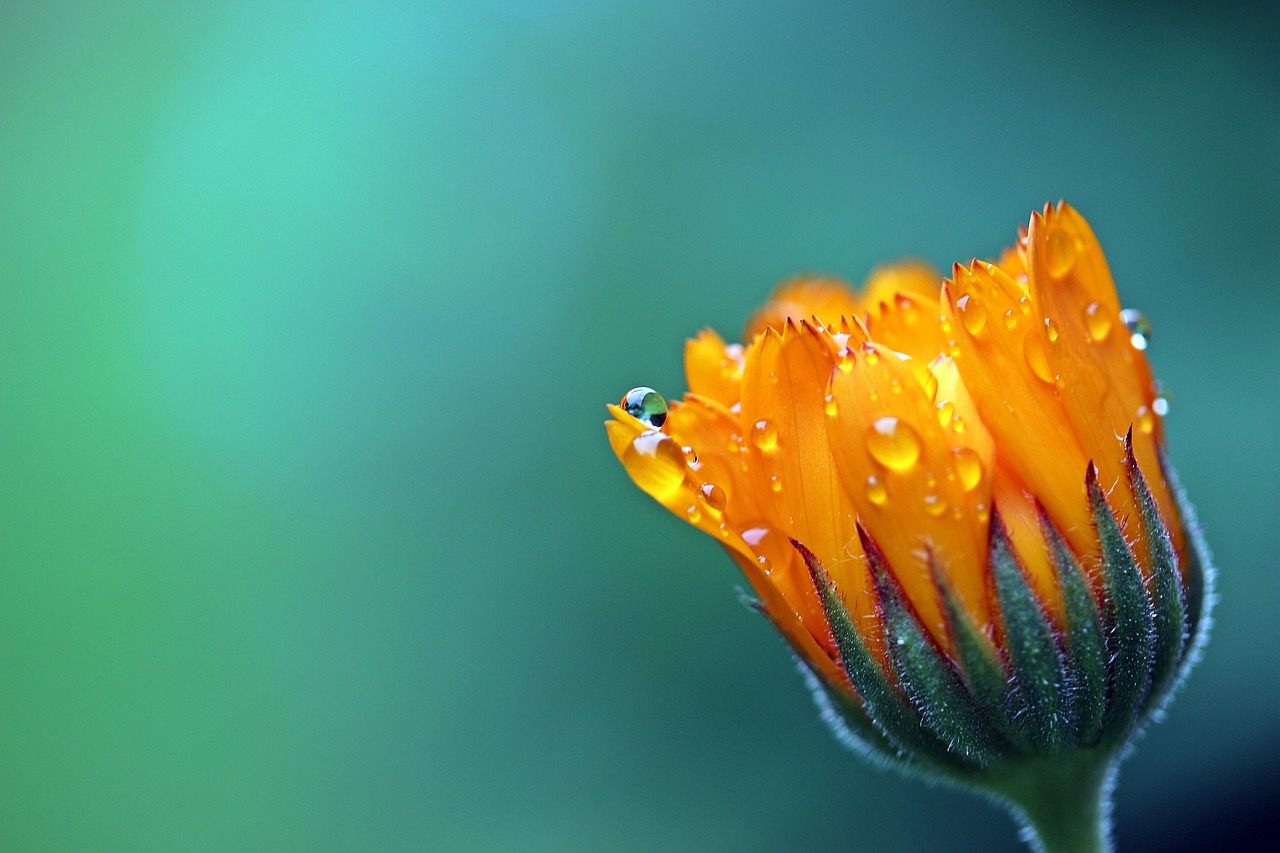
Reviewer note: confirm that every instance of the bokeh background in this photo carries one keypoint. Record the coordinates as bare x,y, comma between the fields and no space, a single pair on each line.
310,538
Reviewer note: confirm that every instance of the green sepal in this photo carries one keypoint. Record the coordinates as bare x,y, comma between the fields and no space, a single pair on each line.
894,718
1085,695
1034,658
925,673
1130,622
979,663
1165,584
1198,571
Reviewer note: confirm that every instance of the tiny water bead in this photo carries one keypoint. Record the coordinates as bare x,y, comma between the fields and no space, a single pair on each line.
646,405
690,455
968,466
935,504
1051,329
1160,405
876,492
893,443
764,435
1097,321
1139,327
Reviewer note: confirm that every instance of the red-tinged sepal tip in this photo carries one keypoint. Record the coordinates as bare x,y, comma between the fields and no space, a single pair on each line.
1165,586
1038,677
1128,623
892,717
929,679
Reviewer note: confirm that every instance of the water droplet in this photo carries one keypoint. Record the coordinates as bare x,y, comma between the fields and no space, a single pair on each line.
935,504
895,386
714,497
693,514
1024,305
870,354
1051,329
946,409
764,435
690,455
957,424
876,492
968,466
1160,405
770,547
1097,321
972,314
844,359
1061,252
775,484
1139,327
829,406
1033,351
984,514
646,405
656,464
893,443
1010,319
1144,420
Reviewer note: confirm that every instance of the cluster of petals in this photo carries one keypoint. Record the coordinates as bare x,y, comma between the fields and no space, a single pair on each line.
914,410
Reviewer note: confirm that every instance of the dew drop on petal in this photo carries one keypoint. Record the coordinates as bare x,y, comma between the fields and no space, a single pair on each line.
876,492
693,514
1037,360
1061,250
844,359
968,466
764,435
829,406
870,354
714,497
1160,405
1024,305
1097,321
690,455
972,314
656,464
1051,329
775,484
935,504
893,443
646,405
1010,319
1139,327
1144,420
946,409
770,547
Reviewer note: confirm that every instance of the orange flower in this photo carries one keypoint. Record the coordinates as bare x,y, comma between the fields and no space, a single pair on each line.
970,469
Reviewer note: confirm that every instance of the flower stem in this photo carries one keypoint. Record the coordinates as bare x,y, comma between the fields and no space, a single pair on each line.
1064,805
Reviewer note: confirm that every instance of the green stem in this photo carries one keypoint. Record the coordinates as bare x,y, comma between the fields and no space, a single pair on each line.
1063,804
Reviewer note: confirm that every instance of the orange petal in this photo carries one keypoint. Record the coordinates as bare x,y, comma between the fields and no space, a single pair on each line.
908,323
897,465
789,459
905,278
708,434
713,368
1000,351
1107,385
828,299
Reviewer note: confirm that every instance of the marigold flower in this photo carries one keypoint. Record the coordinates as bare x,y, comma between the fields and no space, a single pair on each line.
951,498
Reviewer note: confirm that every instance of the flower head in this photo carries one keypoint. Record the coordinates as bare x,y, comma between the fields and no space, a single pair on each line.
950,497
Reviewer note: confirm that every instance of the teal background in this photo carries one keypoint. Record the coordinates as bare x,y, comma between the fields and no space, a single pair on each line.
310,538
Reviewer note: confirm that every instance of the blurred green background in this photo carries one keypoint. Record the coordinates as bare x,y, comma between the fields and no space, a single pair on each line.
310,538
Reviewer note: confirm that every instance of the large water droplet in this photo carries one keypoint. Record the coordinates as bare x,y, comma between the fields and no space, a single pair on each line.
656,463
876,492
972,314
968,466
1061,252
1033,351
764,435
1097,321
1139,327
714,497
646,405
893,443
